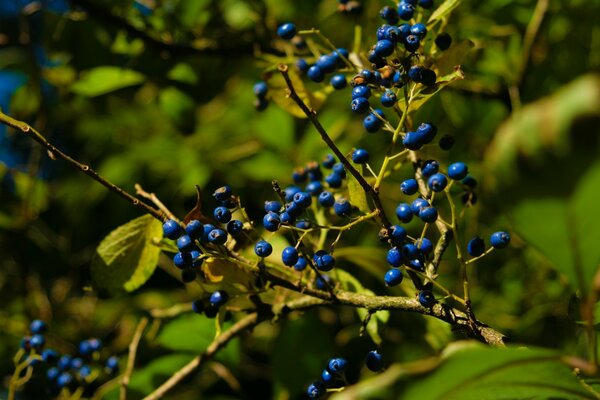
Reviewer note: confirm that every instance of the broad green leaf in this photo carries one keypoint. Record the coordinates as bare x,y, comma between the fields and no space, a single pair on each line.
127,257
105,79
474,372
178,106
443,11
278,93
230,276
276,128
357,195
183,73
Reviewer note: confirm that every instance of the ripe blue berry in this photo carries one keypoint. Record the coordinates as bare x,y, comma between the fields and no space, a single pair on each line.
314,188
84,371
323,282
338,81
359,105
428,130
384,48
198,306
327,63
374,361
417,263
302,65
206,230
263,249
498,240
437,182
425,245
339,168
394,257
443,41
37,341
411,44
285,218
426,298
52,373
429,168
393,277
38,326
260,89
428,77
388,98
260,104
457,171
64,362
222,194
414,73
410,251
409,186
446,142
271,222
419,30
286,31
361,91
273,206
470,182
303,224
85,348
315,73
418,204
404,213
301,263
49,356
217,236
218,298
326,199
337,365
428,214
360,156
372,123
299,175
334,180
234,227
413,140
171,229
316,390
342,207
182,260
196,258
397,234
64,379
323,260
293,209
302,199
112,365
327,377
185,244
289,256
476,246
222,214
406,11
389,14
76,363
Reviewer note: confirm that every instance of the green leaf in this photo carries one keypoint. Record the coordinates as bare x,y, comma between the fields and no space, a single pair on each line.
278,93
452,57
370,259
127,257
356,194
443,11
144,380
426,93
105,79
473,372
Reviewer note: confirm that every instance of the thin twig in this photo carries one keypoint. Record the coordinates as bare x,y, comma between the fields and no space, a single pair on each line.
86,169
139,190
133,346
312,116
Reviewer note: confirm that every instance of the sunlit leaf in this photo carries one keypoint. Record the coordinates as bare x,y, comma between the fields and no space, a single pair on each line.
105,79
443,11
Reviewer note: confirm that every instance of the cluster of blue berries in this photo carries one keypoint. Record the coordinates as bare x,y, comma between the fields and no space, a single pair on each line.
196,235
66,371
210,306
332,376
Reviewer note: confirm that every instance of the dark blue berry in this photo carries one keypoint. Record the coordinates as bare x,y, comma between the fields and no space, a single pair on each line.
185,244
425,245
303,224
426,298
315,73
476,246
84,371
302,199
498,240
388,98
371,123
360,156
443,41
404,213
361,91
222,194
413,140
393,277
323,282
342,207
327,63
446,142
338,81
390,14
316,390
286,31
394,257
289,256
323,260
49,356
38,326
52,373
217,236
218,298
337,365
427,4
437,182
301,263
263,249
64,362
188,275
260,89
410,251
339,169
293,209
414,73
419,30
340,53
76,363
273,206
428,77
418,204
428,214
271,221
457,171
171,229
302,65
37,341
411,44
112,365
327,377
326,199
85,348
381,31
198,306
374,361
290,191
428,130
286,219
429,168
359,105
182,260
64,379
234,227
384,48
299,175
334,180
314,188
409,186
406,11
260,104
222,214
397,234
470,182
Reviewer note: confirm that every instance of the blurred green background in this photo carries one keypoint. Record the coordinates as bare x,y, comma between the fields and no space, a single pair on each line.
163,97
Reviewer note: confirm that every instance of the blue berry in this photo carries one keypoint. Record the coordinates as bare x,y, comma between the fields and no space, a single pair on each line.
417,263
112,365
419,30
457,171
425,245
339,168
302,65
414,73
359,105
49,356
406,11
303,199
342,207
388,98
327,63
273,206
85,348
337,365
428,214
260,104
171,229
84,371
188,275
271,222
409,186
443,41
222,194
360,156
374,361
372,123
327,377
263,249
64,379
410,251
195,229
299,175
361,91
185,244
446,142
37,341
52,373
182,260
384,48
381,32
426,4
316,390
285,218
404,213
314,188
196,258
426,298
301,263
437,182
260,89
303,224
476,246
289,256
64,362
315,73
293,209
498,240
198,306
323,282
418,204
37,326
428,130
397,234
222,214
393,277
339,54
76,363
338,81
411,44
323,260
470,182
286,31
218,298
428,77
389,14
334,180
326,199
413,140
429,168
217,236
234,227
394,257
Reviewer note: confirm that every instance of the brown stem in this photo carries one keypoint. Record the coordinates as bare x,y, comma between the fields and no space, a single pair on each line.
133,346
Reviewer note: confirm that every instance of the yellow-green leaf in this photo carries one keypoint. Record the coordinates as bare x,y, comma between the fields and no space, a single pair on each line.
105,79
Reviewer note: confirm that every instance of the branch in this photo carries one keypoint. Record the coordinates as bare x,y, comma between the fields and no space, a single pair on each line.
312,116
54,153
135,341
